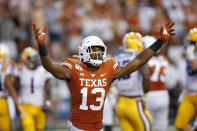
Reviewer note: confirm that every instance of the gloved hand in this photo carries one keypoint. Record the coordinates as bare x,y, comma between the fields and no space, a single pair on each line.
166,32
190,52
47,105
40,36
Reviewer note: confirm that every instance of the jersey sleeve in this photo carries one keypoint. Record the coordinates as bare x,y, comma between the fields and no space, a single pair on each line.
67,64
112,63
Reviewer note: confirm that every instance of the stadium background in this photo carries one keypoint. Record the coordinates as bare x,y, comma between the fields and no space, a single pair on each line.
69,21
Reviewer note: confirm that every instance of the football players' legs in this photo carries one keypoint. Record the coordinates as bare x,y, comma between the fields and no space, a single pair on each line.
143,118
131,115
40,120
158,104
121,111
4,115
185,113
28,121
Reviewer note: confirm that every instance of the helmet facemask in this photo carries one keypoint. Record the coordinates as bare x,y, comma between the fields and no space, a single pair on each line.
93,51
33,61
30,58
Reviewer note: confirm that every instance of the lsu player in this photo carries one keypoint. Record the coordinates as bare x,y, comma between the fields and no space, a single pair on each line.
130,110
157,97
33,81
188,109
90,77
6,70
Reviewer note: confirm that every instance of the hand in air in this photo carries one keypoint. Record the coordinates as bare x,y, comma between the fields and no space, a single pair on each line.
40,36
166,32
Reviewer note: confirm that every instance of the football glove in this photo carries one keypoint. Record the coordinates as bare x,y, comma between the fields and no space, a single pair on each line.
40,36
166,32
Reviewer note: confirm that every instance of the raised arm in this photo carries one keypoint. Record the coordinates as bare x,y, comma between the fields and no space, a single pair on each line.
166,32
52,67
146,77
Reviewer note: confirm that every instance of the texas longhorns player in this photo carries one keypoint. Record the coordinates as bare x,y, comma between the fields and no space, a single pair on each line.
157,97
130,110
90,77
188,109
33,81
6,70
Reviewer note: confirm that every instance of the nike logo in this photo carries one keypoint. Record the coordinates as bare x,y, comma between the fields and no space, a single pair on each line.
103,75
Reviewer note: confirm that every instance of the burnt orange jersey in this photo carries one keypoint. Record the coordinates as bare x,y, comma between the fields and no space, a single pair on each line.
88,91
157,66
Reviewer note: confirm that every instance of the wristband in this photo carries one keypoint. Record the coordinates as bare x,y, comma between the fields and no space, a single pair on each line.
43,50
156,45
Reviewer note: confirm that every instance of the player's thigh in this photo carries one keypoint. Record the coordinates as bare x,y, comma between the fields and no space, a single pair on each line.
142,118
27,122
186,112
40,120
123,111
125,125
160,121
4,115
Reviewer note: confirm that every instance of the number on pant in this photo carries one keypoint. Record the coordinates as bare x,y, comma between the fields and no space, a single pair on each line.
100,99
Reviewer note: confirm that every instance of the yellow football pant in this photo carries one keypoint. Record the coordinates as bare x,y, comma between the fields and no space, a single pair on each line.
132,115
186,112
4,115
34,118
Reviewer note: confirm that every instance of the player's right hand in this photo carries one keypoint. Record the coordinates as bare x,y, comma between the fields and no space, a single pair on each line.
22,112
40,36
190,52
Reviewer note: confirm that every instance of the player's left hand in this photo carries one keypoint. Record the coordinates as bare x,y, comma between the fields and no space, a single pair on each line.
47,105
166,32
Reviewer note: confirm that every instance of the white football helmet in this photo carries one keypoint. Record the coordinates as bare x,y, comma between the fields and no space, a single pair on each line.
85,50
4,53
148,41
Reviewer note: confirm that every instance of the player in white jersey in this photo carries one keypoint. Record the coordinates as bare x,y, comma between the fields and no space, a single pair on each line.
157,97
188,107
33,81
6,69
130,110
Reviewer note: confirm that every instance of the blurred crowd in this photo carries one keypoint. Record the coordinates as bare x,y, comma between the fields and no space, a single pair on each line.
69,21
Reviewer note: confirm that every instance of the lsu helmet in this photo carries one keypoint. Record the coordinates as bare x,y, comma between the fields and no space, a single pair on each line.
192,36
85,50
4,53
148,41
133,41
30,57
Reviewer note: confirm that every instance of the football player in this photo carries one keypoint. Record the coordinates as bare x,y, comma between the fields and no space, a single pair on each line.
188,109
90,77
157,98
33,81
6,69
130,110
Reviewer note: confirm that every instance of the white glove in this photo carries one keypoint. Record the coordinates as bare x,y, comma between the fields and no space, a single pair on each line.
190,52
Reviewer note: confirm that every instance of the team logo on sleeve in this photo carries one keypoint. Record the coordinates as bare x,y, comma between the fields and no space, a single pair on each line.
78,67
